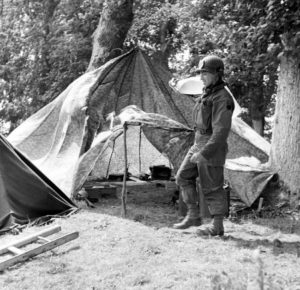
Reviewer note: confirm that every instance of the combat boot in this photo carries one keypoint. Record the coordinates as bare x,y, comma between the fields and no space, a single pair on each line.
216,229
192,219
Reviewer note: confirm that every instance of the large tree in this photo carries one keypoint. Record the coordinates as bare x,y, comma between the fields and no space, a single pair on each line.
283,17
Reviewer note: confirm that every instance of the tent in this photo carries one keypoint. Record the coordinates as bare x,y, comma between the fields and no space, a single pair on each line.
26,194
151,139
56,137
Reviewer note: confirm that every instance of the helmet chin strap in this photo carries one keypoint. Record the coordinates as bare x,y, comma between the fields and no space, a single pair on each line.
217,79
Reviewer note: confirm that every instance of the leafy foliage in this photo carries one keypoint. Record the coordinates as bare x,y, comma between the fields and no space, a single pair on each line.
249,35
155,27
45,45
232,30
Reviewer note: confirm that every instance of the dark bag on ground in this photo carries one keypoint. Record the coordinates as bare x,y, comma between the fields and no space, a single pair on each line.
160,172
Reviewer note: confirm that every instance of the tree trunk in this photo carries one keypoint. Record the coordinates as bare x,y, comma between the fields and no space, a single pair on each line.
50,7
285,149
161,56
109,36
114,23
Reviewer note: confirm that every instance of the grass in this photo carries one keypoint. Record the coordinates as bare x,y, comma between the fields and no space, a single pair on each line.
142,251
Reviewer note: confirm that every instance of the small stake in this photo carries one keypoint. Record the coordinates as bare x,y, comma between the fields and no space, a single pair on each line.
260,204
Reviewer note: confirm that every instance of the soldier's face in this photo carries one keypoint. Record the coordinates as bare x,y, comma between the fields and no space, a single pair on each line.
208,78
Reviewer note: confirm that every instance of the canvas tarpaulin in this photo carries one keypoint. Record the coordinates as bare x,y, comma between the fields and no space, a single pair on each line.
25,193
55,138
248,176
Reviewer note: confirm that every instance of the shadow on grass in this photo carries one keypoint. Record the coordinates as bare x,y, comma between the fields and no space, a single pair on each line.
286,222
276,246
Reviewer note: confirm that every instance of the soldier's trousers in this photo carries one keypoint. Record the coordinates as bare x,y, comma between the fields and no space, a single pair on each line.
211,181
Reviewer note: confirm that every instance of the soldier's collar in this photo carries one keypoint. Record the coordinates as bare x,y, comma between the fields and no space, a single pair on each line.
215,87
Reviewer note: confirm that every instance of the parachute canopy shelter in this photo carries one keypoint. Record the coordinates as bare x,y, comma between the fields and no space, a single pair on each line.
56,137
26,194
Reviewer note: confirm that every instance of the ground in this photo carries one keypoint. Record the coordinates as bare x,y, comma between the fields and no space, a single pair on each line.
142,251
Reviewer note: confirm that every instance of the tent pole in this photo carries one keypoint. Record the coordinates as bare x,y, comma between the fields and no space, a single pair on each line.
124,190
140,141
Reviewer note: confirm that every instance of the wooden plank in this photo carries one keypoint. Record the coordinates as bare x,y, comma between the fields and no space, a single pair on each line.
43,239
15,250
38,250
137,180
31,238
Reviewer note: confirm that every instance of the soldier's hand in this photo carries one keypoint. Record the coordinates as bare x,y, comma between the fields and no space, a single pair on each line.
173,83
197,158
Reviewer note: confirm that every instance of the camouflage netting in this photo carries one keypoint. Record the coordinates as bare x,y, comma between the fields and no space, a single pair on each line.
56,137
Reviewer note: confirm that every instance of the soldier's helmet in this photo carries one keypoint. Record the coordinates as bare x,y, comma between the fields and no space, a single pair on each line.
212,64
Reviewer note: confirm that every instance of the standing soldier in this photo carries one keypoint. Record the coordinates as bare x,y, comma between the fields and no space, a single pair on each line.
206,158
